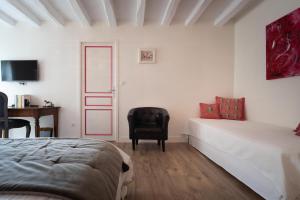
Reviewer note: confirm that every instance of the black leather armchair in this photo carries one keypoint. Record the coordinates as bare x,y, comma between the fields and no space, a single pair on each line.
6,123
148,123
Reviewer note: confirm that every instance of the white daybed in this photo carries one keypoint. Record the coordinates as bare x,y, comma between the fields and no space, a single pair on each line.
264,157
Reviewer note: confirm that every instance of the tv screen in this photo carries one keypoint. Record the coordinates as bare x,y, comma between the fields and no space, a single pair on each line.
19,70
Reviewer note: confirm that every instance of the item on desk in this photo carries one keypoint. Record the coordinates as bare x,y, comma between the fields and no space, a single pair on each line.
22,101
34,106
48,103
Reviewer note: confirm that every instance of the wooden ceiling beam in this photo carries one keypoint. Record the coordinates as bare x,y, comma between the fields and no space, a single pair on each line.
80,12
140,12
52,12
197,12
109,12
7,19
230,11
170,12
24,10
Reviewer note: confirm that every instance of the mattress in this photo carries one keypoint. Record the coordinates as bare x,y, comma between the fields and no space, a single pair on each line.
63,169
266,155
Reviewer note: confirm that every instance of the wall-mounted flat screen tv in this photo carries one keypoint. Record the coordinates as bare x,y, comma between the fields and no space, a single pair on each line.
19,70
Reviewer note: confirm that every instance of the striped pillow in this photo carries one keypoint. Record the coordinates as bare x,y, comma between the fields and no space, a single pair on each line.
231,108
297,130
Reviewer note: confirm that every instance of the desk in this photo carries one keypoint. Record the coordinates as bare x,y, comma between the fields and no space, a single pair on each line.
36,113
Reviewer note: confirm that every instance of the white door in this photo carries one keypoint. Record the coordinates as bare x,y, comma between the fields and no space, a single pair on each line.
98,91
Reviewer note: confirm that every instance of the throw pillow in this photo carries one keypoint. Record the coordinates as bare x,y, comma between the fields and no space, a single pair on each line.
231,108
298,128
209,111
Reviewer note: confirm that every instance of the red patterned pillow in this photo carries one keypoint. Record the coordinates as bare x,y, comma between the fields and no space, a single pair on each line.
209,111
231,108
298,128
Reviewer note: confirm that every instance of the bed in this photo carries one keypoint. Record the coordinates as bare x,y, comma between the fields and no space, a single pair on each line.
265,157
58,169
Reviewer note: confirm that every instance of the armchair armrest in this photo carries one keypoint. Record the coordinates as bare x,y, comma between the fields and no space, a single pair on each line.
130,115
130,118
165,121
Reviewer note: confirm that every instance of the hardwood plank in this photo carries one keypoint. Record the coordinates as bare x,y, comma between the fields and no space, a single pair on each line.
180,173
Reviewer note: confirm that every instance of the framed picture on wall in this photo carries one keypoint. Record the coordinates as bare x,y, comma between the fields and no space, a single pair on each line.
146,56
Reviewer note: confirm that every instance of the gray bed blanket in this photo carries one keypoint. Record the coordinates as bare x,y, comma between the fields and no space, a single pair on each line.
80,169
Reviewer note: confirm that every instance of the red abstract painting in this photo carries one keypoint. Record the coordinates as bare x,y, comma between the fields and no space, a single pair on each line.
283,46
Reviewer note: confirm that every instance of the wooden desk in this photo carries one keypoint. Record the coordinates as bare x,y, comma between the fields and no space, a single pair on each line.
36,113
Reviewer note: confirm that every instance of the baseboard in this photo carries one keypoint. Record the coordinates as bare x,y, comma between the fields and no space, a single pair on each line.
172,139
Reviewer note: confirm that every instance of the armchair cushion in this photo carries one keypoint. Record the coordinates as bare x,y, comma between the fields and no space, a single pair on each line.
147,130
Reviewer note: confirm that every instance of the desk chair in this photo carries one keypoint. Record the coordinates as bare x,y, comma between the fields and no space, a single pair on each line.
6,123
48,130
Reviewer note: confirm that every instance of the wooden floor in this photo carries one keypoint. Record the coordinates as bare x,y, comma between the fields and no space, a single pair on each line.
180,173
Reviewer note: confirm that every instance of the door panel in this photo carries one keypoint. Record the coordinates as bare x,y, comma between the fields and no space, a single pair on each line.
98,122
98,100
98,69
98,93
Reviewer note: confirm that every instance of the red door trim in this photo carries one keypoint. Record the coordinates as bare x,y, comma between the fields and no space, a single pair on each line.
102,134
86,97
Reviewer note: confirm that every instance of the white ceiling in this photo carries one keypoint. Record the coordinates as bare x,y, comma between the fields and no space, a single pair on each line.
159,12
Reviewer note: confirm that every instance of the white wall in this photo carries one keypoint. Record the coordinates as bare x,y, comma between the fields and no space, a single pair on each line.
272,101
193,64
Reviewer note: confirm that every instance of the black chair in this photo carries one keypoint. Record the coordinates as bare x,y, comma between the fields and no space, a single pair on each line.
6,123
148,123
